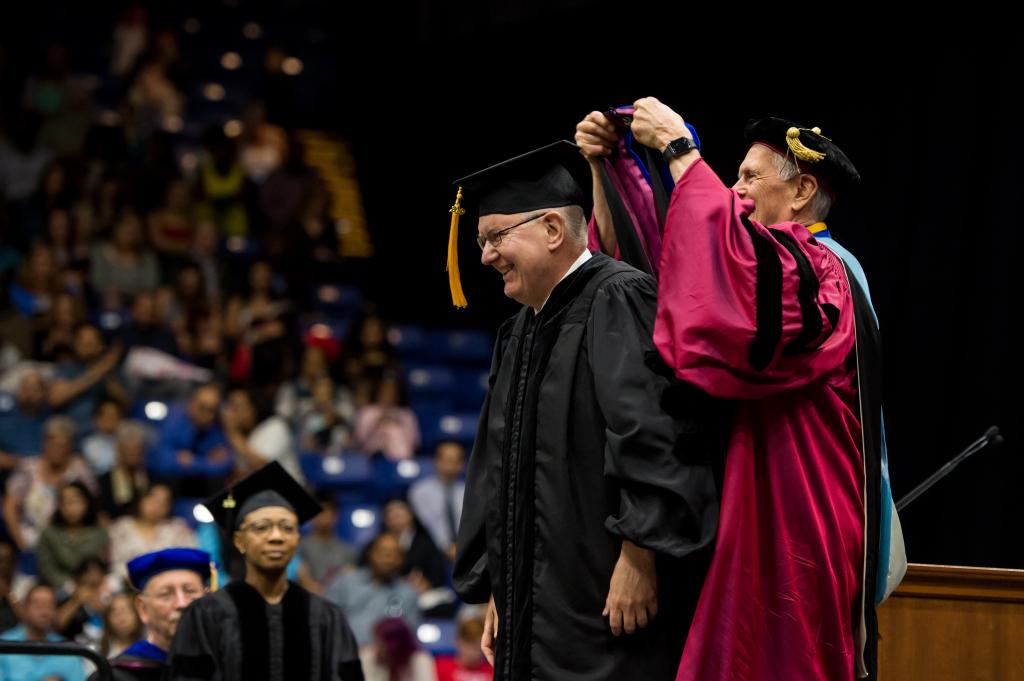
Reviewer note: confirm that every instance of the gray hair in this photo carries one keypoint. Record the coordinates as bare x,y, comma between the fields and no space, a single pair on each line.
820,204
576,223
131,431
59,425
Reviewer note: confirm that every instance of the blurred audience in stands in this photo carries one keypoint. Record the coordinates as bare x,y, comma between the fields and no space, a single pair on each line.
73,536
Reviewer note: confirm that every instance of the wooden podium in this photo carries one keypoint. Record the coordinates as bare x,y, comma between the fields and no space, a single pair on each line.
955,623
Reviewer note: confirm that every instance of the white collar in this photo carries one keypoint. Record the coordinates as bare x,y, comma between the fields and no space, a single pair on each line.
584,256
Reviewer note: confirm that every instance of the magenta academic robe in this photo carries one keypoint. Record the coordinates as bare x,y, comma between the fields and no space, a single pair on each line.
764,316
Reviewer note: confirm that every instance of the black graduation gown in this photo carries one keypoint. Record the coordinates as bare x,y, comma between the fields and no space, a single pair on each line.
582,443
224,636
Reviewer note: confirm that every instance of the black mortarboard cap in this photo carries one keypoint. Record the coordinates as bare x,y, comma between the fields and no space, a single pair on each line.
269,486
552,176
813,152
549,177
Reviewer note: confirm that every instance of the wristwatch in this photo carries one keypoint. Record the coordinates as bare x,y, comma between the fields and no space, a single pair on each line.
678,147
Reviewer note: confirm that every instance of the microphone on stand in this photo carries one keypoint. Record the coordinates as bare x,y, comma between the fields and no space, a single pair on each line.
991,437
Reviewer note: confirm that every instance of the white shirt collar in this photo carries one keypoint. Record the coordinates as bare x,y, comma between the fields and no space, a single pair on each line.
584,256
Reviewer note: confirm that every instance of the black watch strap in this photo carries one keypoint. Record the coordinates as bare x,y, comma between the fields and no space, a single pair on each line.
678,147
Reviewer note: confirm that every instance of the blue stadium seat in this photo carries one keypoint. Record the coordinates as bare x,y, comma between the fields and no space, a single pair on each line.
109,321
393,478
358,523
327,326
152,412
184,509
437,636
240,248
428,379
410,342
462,346
430,407
27,563
470,389
351,470
458,426
338,297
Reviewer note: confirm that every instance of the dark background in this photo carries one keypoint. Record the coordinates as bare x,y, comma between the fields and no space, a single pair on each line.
428,92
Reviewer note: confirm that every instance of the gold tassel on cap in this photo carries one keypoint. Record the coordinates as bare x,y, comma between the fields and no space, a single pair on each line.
213,576
798,148
458,298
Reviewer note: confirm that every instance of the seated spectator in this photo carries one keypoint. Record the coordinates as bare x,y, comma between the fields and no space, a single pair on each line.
321,412
368,351
437,499
62,237
258,436
56,344
146,329
124,484
81,382
222,185
40,614
170,225
323,554
264,147
297,391
100,446
21,427
188,307
423,566
395,655
191,451
9,578
208,349
468,663
32,488
153,96
205,247
121,625
257,322
386,426
325,419
124,266
37,286
375,591
80,614
150,528
73,536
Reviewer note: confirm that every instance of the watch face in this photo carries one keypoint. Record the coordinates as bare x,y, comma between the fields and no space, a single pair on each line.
682,145
679,147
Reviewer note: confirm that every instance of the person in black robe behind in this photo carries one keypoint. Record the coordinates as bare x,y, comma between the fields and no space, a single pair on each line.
265,627
591,500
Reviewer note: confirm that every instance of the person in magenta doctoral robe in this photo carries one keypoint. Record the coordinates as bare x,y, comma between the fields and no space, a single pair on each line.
753,306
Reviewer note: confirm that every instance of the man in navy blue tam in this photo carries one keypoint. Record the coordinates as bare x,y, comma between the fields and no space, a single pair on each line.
167,581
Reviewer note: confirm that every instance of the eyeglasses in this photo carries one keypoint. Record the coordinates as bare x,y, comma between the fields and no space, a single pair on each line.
494,238
169,594
263,528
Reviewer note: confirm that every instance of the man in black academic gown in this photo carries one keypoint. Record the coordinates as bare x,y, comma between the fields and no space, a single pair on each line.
264,627
167,581
591,500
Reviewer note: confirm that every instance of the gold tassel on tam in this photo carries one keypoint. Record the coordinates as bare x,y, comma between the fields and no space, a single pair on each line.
213,576
798,148
458,298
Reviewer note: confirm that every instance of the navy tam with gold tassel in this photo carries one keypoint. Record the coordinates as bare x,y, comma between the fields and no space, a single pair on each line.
813,152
